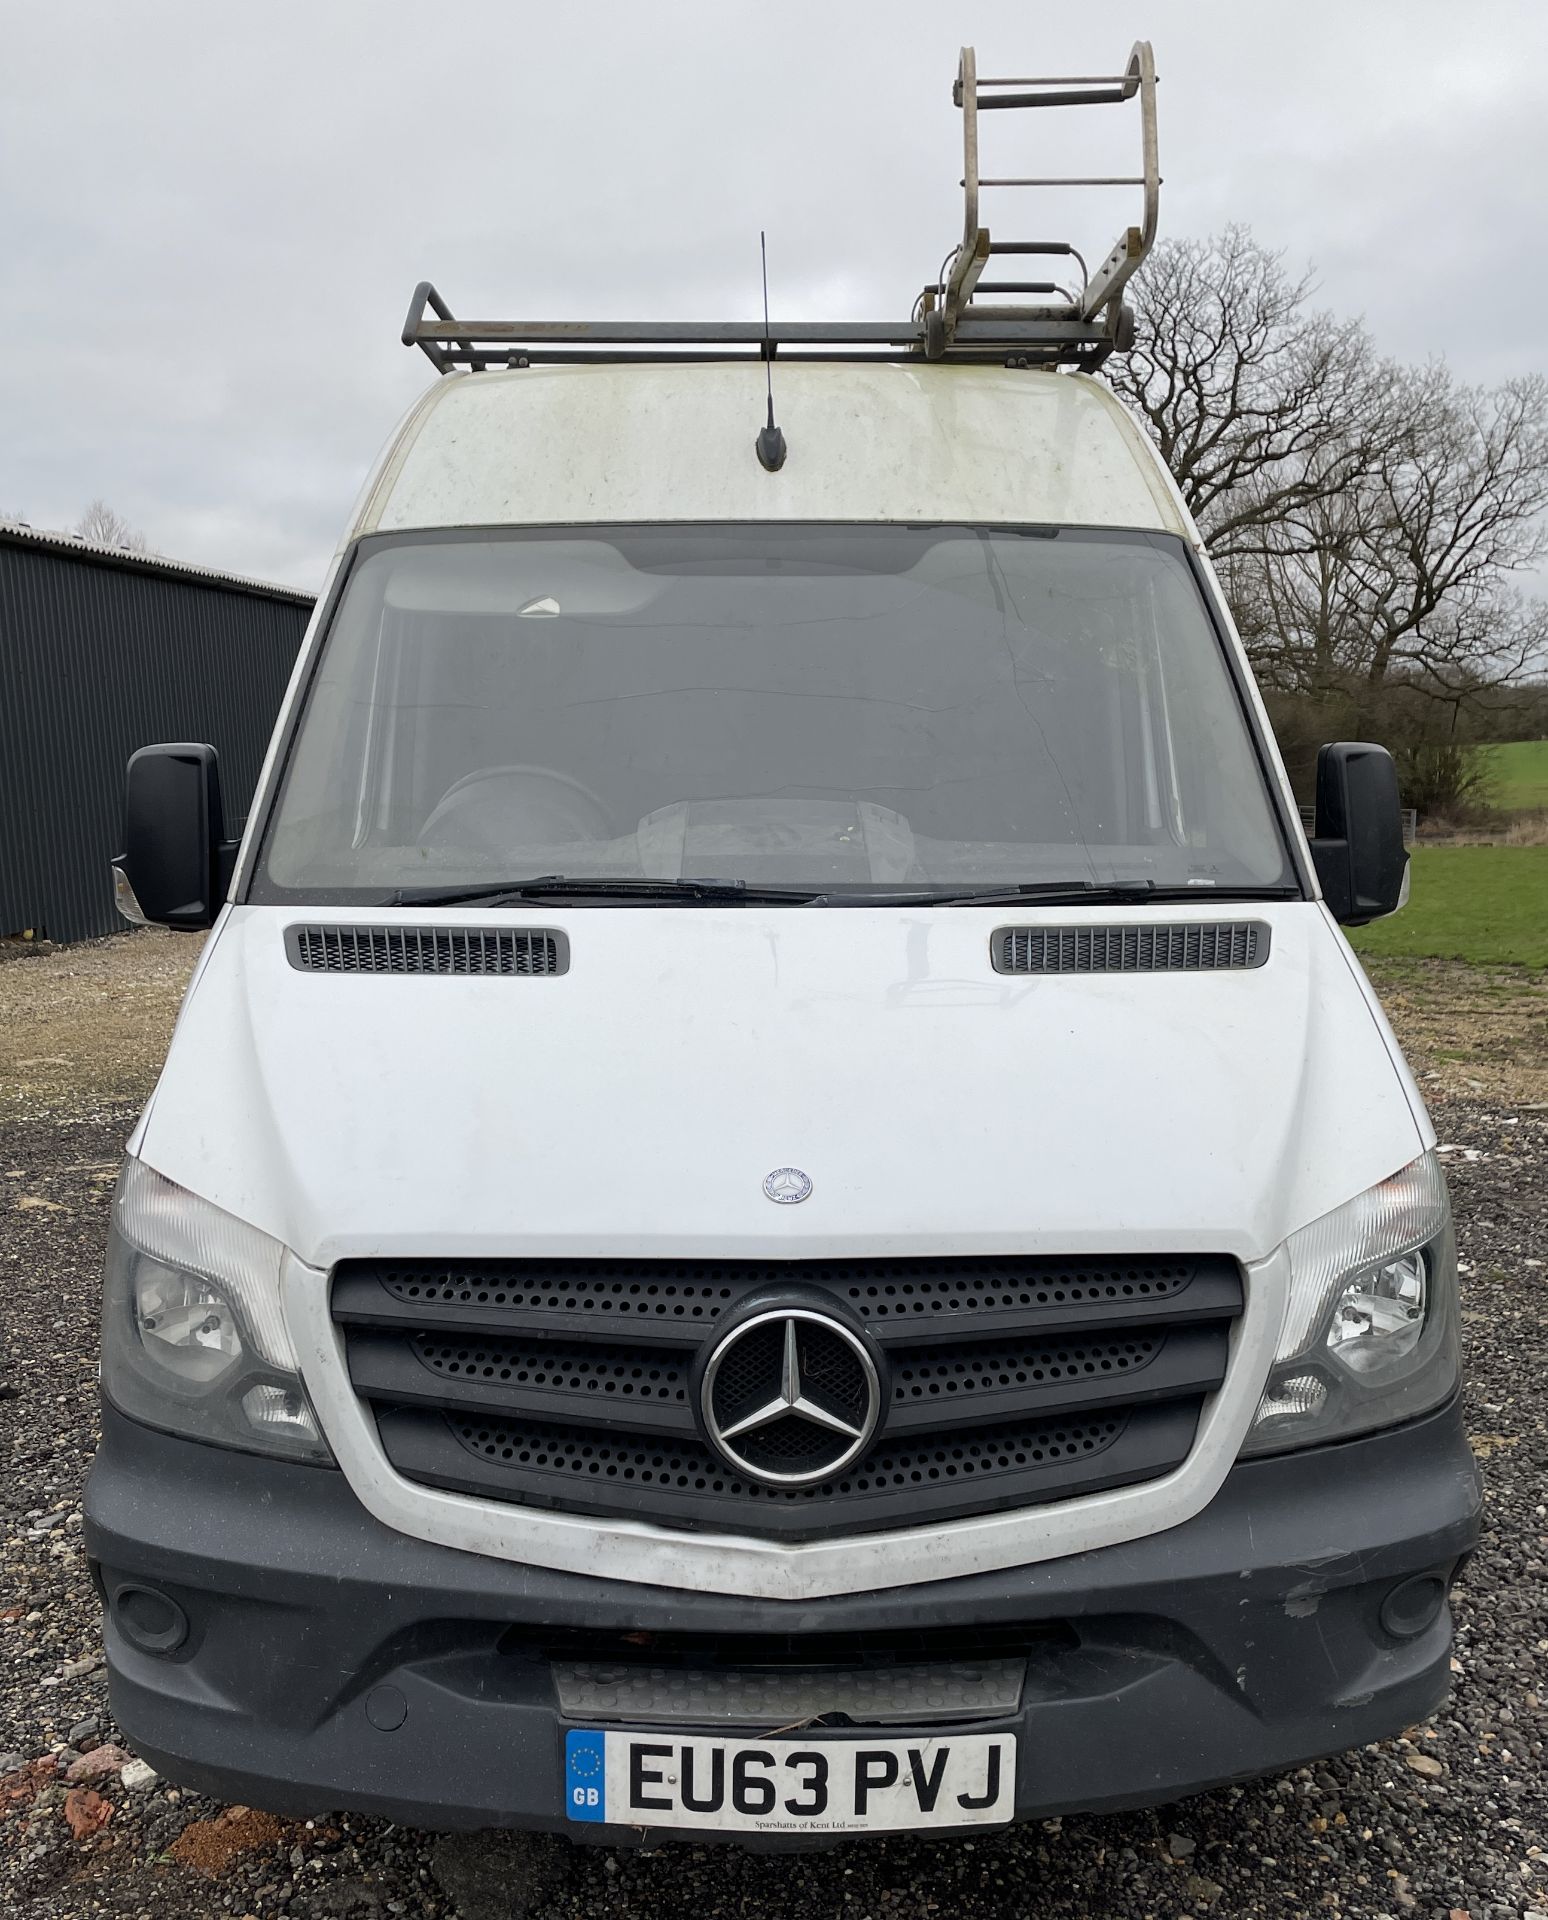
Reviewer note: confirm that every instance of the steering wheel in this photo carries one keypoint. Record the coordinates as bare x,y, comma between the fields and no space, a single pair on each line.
497,807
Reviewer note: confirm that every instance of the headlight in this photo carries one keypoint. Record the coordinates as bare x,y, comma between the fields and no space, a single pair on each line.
193,1339
1370,1331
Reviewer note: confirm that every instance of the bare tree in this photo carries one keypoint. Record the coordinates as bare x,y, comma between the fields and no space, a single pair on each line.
1407,569
109,529
1458,508
1371,523
1257,402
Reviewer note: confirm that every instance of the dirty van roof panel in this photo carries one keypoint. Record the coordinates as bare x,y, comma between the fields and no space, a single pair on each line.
867,442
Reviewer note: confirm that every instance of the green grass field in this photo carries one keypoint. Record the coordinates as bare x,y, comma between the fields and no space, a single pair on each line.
1520,773
1485,905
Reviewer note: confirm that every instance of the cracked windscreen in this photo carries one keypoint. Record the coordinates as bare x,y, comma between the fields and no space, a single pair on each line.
840,707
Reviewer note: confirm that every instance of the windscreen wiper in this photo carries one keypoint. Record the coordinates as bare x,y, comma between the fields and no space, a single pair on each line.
548,886
1055,893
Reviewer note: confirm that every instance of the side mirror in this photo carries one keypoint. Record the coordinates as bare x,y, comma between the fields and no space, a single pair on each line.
1358,849
177,863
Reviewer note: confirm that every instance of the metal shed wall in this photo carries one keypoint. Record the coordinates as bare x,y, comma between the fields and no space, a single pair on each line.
100,655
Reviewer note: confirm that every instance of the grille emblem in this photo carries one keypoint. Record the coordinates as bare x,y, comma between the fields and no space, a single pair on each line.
787,1185
790,1397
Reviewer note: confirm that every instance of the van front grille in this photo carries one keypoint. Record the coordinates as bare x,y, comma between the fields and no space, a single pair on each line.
572,1384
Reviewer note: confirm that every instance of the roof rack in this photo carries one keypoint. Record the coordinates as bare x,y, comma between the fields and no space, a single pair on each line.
1074,325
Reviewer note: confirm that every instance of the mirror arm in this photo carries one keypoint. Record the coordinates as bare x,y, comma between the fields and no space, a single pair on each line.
224,864
1331,859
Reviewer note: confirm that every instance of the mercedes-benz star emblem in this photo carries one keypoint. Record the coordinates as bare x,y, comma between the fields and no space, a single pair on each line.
790,1396
787,1185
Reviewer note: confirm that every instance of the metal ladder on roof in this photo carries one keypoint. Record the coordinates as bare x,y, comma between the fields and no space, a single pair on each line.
962,318
957,295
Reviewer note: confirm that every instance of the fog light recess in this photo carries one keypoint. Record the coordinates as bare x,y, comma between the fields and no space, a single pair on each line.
149,1620
1413,1605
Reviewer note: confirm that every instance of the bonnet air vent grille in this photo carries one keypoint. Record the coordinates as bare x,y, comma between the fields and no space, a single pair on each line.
446,950
1206,946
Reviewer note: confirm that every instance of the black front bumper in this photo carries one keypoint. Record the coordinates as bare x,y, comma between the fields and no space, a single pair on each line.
330,1663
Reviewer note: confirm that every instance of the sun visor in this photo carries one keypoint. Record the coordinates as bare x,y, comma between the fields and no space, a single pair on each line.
534,579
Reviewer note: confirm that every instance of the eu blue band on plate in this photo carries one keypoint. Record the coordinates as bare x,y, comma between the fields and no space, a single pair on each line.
585,1775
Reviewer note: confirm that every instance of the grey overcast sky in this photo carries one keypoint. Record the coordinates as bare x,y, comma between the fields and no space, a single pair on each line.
212,215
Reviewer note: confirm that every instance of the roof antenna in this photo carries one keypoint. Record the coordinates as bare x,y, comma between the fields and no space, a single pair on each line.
771,442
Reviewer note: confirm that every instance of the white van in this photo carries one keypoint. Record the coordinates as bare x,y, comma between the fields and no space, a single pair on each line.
777,1208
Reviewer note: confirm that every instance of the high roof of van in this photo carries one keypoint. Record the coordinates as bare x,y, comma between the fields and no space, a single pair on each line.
868,441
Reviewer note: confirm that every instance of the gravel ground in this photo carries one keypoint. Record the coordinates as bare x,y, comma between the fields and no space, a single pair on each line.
1448,1821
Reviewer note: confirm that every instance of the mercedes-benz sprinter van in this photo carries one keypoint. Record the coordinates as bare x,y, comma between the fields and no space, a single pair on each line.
777,1207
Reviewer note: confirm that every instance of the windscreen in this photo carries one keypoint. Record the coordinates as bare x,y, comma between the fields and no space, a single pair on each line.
842,707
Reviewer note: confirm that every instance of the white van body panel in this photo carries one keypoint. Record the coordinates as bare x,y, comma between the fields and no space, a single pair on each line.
632,1106
574,445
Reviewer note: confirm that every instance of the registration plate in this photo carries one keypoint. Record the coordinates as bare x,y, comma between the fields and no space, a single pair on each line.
790,1786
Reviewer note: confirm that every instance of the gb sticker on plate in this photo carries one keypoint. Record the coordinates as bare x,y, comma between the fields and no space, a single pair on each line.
585,1775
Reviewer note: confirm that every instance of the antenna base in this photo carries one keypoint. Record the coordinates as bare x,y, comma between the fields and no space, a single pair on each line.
771,449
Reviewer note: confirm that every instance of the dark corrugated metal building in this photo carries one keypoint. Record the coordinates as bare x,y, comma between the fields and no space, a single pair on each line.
103,651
